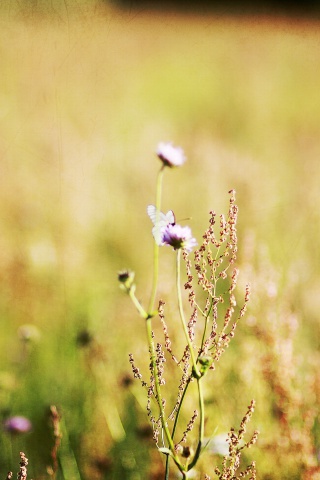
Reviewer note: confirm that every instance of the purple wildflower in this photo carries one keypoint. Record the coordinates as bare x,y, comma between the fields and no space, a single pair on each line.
178,237
17,424
170,155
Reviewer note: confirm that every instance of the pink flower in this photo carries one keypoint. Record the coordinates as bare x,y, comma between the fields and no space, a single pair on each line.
178,237
170,156
17,424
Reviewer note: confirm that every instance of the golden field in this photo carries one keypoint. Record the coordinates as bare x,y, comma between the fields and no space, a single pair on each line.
87,92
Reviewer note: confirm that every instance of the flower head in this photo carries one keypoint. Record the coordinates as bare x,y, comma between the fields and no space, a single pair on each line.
169,155
17,424
178,237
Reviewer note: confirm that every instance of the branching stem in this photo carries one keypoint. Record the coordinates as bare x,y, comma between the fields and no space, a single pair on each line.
159,396
196,372
201,425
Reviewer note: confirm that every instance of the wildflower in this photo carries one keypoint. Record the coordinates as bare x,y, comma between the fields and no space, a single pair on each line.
170,155
17,424
178,237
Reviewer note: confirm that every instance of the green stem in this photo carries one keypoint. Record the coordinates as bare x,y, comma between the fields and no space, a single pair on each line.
159,396
201,425
156,381
137,304
156,247
166,477
206,325
175,424
179,408
196,372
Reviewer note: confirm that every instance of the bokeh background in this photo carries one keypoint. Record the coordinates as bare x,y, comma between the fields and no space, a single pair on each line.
87,90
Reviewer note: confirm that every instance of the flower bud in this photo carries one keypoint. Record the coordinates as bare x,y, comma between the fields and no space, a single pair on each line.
126,279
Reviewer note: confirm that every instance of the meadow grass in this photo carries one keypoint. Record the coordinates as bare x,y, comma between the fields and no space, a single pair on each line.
86,94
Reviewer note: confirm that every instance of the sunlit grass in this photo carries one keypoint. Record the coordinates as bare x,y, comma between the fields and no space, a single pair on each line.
85,96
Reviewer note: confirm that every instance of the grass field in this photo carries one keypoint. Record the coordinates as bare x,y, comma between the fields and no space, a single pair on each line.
86,93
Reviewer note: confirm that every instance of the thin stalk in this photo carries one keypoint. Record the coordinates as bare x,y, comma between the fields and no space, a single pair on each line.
137,304
182,317
196,372
205,325
213,294
145,315
159,396
175,425
156,247
201,425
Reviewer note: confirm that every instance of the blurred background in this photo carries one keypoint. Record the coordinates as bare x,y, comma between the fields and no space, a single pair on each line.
87,90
